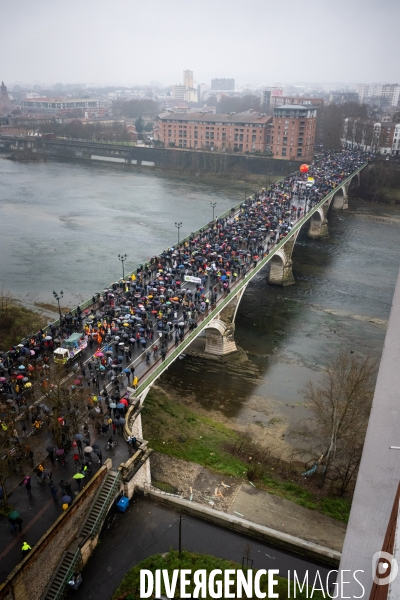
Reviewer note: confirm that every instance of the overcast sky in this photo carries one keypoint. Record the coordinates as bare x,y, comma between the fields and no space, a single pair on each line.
255,41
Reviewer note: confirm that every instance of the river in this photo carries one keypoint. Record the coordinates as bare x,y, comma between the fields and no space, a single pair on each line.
63,225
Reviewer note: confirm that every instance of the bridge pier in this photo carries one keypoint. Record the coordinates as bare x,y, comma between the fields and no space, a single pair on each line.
280,272
220,338
319,224
341,199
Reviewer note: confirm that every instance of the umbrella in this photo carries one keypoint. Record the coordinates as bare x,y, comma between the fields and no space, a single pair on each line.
13,515
28,385
60,451
21,368
78,436
25,379
48,338
78,476
121,421
100,354
3,379
112,405
95,446
20,377
88,449
32,353
77,382
66,499
120,405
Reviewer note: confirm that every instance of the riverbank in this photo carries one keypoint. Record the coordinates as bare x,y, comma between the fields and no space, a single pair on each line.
17,322
175,430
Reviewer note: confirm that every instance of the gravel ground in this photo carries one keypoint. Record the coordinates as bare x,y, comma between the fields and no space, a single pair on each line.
192,481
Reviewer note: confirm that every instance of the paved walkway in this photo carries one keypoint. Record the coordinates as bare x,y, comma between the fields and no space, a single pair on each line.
149,528
272,511
39,513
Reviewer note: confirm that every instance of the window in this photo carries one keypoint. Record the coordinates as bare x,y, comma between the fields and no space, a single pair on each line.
283,151
223,137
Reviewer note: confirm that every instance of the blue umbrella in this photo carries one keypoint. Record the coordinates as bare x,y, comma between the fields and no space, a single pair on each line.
120,405
126,370
21,367
141,329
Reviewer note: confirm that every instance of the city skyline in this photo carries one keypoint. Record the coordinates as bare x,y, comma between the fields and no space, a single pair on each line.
137,44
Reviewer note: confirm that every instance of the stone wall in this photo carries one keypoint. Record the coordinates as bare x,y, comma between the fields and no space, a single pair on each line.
194,161
30,578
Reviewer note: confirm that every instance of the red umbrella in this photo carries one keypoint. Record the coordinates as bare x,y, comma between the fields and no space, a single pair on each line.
124,401
20,376
77,382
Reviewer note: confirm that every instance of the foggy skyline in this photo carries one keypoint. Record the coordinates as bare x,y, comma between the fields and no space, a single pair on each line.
128,42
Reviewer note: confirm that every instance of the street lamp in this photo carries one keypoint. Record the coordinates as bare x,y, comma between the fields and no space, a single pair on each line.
122,258
58,298
213,205
178,226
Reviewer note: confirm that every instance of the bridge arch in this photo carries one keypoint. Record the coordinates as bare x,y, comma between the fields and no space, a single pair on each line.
340,199
318,224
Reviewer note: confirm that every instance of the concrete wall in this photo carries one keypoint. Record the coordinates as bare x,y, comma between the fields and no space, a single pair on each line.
31,577
194,161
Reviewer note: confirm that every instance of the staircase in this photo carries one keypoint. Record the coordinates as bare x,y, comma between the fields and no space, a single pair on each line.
93,521
100,506
64,571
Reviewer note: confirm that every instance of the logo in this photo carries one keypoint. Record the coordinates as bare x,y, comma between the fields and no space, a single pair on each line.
384,568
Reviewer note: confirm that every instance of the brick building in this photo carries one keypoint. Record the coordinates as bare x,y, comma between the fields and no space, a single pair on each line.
288,135
293,132
242,132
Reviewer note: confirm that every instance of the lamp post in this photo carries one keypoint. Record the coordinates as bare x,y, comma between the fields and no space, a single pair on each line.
178,226
122,258
213,205
58,298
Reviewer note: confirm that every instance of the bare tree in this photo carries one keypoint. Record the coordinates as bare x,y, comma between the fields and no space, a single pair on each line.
340,404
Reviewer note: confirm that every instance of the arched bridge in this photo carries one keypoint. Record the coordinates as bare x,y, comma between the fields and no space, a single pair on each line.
219,324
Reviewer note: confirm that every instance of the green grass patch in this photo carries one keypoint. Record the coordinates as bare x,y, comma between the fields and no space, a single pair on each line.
164,486
16,322
174,429
129,588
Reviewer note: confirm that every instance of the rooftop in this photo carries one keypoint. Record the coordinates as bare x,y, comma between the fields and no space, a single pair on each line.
243,117
296,107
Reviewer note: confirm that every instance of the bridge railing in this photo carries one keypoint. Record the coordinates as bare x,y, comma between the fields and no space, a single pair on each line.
148,381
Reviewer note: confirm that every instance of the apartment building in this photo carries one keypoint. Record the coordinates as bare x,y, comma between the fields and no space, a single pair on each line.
242,132
364,134
288,135
293,132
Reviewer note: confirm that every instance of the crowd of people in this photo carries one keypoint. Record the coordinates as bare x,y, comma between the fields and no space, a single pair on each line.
133,324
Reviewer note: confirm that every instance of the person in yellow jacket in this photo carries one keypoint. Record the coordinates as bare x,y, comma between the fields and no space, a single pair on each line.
25,548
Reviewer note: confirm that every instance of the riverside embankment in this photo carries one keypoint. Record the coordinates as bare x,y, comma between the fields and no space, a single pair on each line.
168,159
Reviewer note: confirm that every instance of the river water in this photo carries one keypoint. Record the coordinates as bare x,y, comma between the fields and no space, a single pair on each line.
63,225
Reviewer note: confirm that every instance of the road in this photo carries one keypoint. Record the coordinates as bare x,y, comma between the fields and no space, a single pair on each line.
148,528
